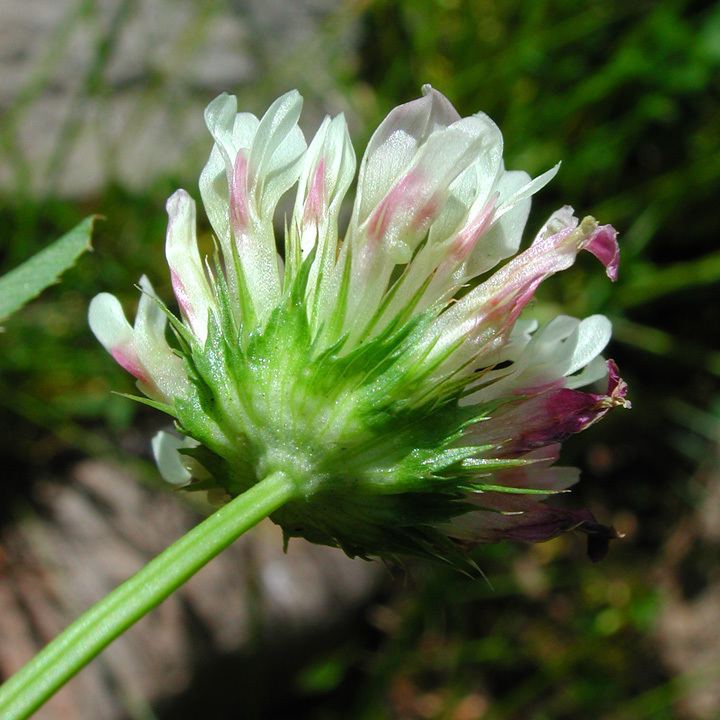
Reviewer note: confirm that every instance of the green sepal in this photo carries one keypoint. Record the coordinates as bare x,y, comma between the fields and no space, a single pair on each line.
485,487
488,465
193,422
332,331
425,469
245,301
293,255
163,407
231,325
402,525
223,473
185,338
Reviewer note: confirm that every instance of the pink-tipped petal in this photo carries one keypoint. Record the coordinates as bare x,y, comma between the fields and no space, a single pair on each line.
127,359
604,246
186,268
486,314
110,326
394,145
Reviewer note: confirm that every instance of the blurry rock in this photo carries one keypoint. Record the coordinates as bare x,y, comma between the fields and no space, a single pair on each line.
688,626
114,90
96,530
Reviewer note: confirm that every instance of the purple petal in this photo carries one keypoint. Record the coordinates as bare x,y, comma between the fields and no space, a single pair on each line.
537,524
550,415
617,387
604,246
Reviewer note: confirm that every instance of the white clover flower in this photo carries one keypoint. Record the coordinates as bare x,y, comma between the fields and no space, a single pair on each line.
386,370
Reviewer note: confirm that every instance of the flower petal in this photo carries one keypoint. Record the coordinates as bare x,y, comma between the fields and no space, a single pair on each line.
251,165
483,317
110,326
189,282
588,341
603,245
538,524
503,236
526,191
394,144
170,462
327,171
278,146
559,349
142,350
164,367
231,132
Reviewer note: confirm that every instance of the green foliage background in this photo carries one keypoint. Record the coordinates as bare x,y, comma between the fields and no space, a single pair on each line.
626,94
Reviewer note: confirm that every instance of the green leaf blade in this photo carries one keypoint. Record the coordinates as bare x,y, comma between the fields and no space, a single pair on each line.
28,280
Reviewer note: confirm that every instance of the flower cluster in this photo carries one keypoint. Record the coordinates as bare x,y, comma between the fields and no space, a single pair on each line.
387,372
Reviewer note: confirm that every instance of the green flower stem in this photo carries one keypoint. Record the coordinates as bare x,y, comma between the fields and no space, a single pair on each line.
70,651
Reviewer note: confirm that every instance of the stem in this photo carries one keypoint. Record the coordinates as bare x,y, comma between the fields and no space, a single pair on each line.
70,651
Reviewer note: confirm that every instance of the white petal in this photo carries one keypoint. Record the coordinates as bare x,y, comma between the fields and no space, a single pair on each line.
471,190
402,217
187,272
150,320
336,151
462,194
231,132
169,461
244,130
277,147
593,334
560,220
251,165
108,322
165,370
417,119
548,338
529,189
547,355
595,370
214,193
503,237
220,120
560,349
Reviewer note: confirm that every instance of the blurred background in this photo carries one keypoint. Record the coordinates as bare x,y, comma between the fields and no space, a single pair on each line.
101,112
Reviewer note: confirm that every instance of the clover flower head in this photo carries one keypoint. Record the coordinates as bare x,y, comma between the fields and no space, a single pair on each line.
387,369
